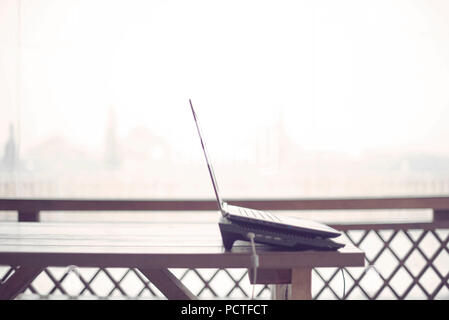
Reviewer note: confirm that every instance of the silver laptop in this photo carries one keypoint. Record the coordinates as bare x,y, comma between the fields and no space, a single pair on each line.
262,219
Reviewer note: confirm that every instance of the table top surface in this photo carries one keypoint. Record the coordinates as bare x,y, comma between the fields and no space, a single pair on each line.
151,245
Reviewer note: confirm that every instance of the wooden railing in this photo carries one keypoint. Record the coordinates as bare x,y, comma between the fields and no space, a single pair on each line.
29,209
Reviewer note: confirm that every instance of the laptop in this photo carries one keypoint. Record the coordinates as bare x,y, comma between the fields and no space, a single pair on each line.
236,222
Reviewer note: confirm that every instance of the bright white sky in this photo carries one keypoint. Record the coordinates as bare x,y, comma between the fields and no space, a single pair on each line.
347,75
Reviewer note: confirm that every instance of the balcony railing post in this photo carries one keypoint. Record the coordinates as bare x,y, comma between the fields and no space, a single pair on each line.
440,215
29,215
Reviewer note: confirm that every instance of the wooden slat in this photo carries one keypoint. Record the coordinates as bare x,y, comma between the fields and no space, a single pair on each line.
437,203
149,246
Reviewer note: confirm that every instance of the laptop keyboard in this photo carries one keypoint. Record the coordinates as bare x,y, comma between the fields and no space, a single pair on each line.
251,213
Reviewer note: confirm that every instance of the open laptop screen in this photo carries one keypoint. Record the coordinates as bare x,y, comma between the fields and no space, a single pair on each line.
209,165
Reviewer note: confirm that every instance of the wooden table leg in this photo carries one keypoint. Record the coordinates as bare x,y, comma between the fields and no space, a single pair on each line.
299,289
18,281
168,284
301,284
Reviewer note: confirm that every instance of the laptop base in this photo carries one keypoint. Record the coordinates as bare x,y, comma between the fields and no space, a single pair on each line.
232,231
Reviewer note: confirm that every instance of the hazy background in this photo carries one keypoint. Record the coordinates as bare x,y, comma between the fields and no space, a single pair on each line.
296,98
300,99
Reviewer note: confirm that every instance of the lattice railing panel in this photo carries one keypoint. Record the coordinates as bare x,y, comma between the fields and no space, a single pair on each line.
400,264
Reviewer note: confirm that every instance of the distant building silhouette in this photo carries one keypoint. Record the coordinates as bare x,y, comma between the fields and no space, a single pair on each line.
9,161
112,153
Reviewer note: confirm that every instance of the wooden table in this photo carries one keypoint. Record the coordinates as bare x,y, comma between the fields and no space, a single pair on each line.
153,248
